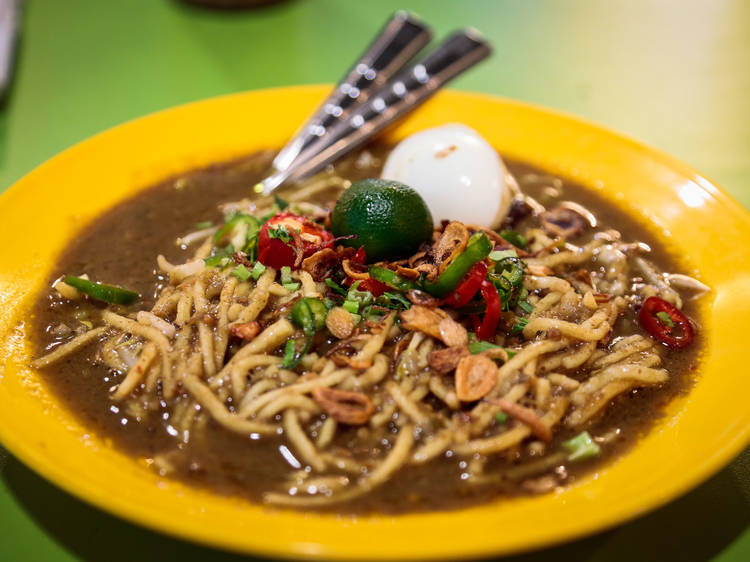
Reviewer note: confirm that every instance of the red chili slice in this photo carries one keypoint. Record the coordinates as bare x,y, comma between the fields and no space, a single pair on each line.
468,287
674,337
374,286
488,328
306,238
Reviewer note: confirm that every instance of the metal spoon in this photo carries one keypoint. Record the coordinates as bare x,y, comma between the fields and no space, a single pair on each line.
405,92
402,37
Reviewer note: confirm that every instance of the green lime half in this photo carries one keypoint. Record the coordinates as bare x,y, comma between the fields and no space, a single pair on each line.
390,219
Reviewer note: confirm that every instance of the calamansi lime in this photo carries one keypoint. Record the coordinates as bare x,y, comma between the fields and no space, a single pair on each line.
389,218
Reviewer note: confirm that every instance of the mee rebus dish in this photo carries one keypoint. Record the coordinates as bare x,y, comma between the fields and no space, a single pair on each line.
338,347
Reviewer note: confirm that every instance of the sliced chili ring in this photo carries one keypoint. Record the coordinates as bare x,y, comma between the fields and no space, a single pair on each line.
680,335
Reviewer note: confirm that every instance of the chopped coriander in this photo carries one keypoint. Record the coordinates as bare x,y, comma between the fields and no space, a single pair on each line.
351,306
291,286
397,298
519,326
280,232
203,225
335,286
501,417
220,257
665,319
526,306
280,203
286,274
581,447
515,238
241,272
499,255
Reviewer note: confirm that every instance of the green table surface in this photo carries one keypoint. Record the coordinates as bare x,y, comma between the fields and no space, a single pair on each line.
675,74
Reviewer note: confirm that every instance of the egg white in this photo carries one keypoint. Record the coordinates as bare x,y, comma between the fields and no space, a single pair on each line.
456,171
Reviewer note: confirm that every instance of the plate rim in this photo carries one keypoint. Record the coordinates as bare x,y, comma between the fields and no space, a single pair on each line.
717,459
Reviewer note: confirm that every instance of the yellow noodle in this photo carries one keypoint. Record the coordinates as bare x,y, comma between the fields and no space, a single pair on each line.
301,388
136,373
513,436
67,348
326,433
395,459
407,405
233,422
301,443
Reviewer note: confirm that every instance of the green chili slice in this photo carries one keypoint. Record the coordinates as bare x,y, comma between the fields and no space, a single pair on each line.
392,279
102,292
309,314
478,248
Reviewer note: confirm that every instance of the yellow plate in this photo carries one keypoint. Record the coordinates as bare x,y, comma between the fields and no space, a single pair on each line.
701,432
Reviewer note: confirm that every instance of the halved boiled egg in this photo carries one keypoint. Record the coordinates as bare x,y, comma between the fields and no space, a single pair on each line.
458,174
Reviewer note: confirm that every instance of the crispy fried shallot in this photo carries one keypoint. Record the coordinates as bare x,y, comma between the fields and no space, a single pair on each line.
526,416
246,331
436,323
340,322
563,222
352,408
476,375
321,263
444,360
451,243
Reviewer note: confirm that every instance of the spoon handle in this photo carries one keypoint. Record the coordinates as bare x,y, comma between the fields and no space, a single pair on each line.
401,38
401,95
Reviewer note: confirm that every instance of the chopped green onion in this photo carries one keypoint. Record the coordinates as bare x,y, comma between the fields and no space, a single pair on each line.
499,255
258,270
357,318
351,306
335,286
519,326
102,292
501,417
280,203
291,286
203,225
286,274
288,361
477,347
526,306
665,319
581,447
241,272
515,238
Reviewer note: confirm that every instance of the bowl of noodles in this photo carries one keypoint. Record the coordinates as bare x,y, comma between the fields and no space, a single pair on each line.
290,375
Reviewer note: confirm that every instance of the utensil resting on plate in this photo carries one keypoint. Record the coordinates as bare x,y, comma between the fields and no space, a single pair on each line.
376,92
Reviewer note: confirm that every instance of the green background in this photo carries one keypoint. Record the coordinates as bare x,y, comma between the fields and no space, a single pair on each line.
675,74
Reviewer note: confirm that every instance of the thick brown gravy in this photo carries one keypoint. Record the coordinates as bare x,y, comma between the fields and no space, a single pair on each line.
120,247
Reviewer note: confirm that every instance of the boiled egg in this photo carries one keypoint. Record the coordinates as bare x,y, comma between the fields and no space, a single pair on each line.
456,171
